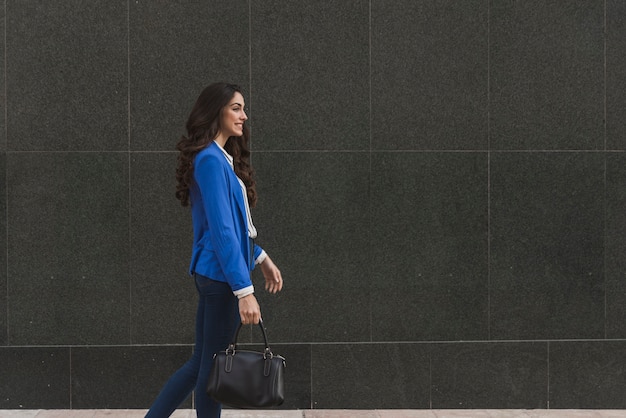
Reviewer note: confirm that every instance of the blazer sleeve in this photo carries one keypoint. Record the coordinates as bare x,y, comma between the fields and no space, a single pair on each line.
258,251
213,182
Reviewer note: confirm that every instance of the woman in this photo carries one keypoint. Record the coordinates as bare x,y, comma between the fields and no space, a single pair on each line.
215,176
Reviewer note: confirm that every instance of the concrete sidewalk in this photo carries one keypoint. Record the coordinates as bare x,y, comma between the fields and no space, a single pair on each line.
326,413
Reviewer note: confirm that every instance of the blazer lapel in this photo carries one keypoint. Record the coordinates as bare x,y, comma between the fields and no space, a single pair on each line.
242,218
238,198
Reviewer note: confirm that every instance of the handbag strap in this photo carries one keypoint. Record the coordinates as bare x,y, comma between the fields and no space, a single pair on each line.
233,344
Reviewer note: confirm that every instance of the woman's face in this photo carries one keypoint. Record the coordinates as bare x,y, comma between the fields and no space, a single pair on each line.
233,116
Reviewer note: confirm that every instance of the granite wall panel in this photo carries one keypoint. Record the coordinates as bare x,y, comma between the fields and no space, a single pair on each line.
615,245
311,220
68,248
547,245
3,182
490,376
379,376
3,91
175,50
68,80
429,81
615,75
3,253
309,66
134,381
35,377
429,253
587,375
546,75
163,295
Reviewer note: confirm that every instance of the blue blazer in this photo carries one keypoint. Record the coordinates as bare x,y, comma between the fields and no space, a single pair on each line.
222,249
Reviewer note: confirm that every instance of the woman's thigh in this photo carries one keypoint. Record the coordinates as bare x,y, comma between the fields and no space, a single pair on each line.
220,314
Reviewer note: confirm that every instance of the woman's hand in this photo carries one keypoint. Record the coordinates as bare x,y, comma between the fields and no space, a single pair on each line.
273,279
249,310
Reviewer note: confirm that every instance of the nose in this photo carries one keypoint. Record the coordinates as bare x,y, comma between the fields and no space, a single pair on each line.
244,116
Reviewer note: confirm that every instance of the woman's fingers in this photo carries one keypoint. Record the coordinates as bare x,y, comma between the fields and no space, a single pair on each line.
249,310
273,277
274,285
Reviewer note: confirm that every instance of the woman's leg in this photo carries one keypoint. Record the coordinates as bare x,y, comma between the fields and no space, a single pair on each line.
221,318
182,382
217,319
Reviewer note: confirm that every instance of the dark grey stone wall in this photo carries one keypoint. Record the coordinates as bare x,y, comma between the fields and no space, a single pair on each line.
442,184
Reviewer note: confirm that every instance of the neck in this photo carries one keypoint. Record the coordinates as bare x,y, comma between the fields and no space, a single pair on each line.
221,139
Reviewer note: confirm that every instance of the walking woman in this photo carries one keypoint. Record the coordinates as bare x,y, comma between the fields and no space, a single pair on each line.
215,177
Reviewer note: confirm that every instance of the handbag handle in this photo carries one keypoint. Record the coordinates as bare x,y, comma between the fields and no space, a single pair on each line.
233,344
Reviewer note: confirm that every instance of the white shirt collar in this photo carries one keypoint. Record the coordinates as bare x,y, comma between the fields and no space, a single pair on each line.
229,158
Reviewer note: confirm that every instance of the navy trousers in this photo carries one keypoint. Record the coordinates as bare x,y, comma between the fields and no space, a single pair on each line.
216,322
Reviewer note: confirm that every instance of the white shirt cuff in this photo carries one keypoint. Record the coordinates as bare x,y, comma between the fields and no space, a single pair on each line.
242,293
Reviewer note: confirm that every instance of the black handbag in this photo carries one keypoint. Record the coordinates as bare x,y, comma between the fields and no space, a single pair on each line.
247,379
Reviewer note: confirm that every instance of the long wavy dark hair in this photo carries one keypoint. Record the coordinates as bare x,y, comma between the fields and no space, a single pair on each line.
203,127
